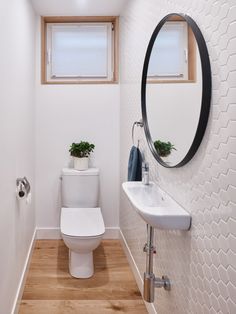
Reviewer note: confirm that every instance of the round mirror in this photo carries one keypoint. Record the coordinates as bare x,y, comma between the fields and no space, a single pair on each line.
176,90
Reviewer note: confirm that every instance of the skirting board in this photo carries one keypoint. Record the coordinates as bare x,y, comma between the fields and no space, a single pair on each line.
54,233
139,280
20,290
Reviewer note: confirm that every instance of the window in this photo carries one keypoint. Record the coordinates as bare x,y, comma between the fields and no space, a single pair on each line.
79,50
173,54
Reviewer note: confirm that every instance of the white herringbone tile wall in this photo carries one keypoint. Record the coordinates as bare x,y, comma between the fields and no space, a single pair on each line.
201,263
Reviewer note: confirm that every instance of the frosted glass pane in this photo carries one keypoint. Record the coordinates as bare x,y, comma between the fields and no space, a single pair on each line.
79,50
167,57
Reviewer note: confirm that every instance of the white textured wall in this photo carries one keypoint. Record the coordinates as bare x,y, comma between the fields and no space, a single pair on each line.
17,27
201,263
71,113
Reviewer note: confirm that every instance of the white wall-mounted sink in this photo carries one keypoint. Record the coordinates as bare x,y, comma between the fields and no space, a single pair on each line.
156,207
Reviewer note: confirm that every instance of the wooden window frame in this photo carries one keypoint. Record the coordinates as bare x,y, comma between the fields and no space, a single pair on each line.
191,57
79,19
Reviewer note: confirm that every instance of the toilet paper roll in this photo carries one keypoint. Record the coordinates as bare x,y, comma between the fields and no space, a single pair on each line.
20,193
23,190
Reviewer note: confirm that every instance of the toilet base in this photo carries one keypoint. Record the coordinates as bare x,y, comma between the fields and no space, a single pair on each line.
81,264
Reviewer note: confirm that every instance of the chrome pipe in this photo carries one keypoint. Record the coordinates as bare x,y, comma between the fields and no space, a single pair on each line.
148,287
150,248
150,282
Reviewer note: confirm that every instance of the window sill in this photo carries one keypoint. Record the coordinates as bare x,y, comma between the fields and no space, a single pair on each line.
78,82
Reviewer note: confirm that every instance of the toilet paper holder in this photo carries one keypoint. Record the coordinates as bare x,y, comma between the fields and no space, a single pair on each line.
23,187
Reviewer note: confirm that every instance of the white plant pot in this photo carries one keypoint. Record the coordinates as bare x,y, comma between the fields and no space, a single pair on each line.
81,163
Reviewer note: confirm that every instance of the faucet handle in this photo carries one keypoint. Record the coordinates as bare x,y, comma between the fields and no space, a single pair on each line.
145,166
145,248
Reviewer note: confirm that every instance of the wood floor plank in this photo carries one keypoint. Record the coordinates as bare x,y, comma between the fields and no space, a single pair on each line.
82,307
50,288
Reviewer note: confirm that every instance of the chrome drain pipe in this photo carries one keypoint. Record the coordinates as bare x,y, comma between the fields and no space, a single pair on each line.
150,281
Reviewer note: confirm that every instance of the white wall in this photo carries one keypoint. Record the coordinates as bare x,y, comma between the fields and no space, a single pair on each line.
200,263
17,223
71,113
78,7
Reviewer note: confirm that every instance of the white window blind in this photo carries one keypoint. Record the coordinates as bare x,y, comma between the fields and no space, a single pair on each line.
169,57
79,50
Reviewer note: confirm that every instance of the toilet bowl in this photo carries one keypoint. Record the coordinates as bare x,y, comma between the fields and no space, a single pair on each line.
82,228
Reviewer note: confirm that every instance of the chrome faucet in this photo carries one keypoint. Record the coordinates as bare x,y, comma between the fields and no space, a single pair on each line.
145,173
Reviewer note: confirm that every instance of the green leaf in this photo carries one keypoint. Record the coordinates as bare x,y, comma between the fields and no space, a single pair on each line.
163,148
82,149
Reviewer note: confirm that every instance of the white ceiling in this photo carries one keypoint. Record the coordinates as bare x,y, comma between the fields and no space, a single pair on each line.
78,7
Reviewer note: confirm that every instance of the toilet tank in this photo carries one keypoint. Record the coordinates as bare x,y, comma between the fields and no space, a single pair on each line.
80,188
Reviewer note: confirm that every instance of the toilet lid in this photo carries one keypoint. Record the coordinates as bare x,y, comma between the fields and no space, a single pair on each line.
82,222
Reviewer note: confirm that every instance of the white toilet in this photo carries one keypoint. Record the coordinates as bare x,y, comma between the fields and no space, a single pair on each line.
82,225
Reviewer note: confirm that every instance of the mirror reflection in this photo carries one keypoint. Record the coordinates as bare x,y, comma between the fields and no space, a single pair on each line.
174,90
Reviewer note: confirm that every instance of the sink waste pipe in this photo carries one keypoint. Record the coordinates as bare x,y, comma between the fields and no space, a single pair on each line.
150,281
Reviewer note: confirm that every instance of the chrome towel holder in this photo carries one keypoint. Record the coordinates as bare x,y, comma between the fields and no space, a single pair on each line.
138,124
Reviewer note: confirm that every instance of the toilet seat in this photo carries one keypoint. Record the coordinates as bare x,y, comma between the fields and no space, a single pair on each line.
82,222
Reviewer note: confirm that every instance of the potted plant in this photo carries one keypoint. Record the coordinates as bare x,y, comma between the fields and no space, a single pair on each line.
80,152
163,148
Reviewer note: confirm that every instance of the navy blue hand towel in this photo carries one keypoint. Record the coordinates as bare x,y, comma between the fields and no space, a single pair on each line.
135,165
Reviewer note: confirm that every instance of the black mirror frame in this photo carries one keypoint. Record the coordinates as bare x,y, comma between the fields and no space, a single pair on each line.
206,90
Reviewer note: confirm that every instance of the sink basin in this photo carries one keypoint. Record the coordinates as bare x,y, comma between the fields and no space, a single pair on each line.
156,207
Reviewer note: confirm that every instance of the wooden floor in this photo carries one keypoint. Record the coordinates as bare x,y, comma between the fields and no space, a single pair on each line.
50,289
